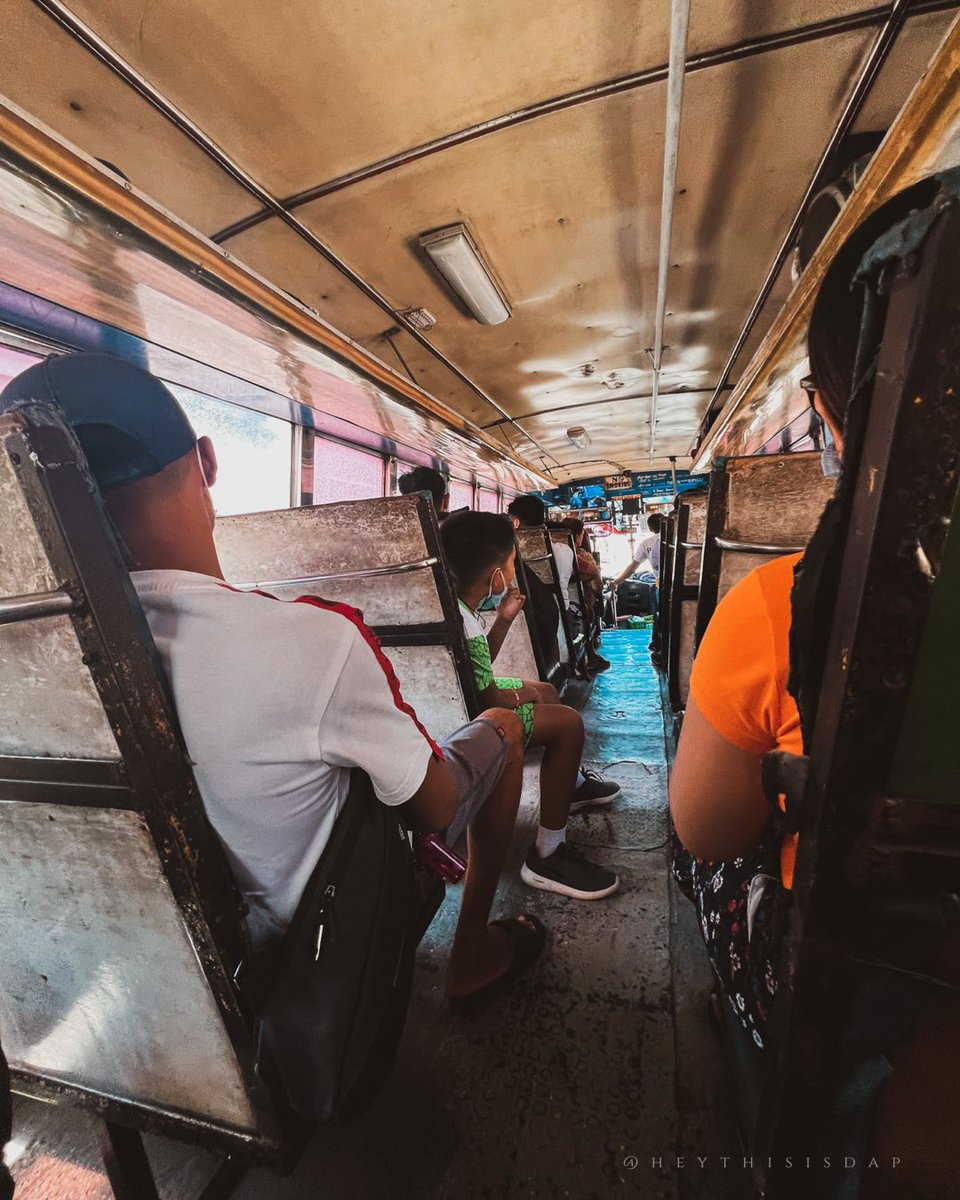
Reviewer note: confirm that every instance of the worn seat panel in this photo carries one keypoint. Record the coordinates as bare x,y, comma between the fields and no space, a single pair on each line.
108,991
49,702
428,680
337,540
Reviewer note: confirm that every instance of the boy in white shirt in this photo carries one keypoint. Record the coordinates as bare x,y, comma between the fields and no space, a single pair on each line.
277,700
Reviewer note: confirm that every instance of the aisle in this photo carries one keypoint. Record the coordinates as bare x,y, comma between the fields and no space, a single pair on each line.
566,1087
572,1075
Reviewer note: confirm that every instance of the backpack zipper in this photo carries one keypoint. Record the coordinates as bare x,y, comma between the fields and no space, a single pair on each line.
328,894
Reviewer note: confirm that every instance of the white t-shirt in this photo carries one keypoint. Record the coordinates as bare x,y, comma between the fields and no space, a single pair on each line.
564,559
277,700
649,551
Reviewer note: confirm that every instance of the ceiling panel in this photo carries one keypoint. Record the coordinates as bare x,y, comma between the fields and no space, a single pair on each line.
566,211
303,91
58,82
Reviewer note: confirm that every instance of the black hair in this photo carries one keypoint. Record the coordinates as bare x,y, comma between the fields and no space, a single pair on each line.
473,542
574,524
654,521
834,332
529,510
424,479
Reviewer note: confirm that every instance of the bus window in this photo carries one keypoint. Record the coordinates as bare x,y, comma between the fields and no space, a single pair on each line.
345,473
253,453
12,362
488,501
461,494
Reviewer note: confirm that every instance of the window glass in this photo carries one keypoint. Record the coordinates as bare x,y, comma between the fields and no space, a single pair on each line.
489,501
403,468
345,473
461,494
253,453
13,363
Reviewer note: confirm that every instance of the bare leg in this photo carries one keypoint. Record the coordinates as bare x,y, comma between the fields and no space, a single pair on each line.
560,731
482,952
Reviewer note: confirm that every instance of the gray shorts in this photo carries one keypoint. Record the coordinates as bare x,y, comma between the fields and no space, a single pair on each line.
474,755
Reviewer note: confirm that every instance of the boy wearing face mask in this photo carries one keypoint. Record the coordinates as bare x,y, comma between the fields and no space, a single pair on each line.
481,553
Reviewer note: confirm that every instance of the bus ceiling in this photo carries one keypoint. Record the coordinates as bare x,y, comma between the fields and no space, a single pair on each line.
537,136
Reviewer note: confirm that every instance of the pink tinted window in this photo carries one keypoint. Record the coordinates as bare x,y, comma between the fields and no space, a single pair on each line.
344,473
489,501
13,363
461,494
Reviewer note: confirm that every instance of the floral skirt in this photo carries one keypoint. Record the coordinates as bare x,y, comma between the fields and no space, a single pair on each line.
740,905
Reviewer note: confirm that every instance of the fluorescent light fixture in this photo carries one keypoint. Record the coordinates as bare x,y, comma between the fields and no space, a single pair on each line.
579,436
455,255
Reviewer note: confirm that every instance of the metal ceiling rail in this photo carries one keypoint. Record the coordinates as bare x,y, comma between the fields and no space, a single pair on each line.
546,412
748,48
679,24
92,42
887,35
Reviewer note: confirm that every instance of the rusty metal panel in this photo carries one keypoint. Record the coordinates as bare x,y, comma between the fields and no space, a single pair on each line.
337,540
688,626
429,683
100,985
49,703
776,499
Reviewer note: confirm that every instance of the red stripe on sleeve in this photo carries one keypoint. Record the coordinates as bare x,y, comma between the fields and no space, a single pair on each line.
355,617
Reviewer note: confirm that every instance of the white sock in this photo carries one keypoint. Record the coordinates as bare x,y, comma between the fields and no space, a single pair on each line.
549,839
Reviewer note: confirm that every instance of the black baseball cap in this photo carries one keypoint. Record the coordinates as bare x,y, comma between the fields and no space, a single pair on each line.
128,423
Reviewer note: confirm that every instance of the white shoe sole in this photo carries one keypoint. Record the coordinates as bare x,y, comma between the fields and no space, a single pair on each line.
601,802
532,879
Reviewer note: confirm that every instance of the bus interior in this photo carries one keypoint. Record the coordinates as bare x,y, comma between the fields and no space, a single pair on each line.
565,251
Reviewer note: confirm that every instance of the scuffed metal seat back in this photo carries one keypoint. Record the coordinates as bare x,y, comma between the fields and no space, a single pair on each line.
759,508
379,556
120,926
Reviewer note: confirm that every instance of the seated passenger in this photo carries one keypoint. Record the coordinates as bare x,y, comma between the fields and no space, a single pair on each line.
529,512
587,568
426,479
480,551
728,853
277,701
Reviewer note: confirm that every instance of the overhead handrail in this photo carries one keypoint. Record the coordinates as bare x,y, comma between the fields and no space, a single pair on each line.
396,569
757,547
34,605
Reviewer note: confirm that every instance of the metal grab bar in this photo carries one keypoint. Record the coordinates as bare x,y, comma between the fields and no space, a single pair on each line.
695,545
33,606
397,569
757,547
541,558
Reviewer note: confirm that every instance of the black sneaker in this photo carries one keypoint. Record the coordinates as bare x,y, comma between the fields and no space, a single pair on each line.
567,872
593,792
596,663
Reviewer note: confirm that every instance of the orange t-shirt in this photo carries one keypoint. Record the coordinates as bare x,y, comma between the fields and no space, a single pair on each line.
739,678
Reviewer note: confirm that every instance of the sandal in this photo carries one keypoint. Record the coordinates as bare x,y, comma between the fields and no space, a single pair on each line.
529,937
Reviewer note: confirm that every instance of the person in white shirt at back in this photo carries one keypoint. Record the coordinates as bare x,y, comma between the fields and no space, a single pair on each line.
647,551
278,700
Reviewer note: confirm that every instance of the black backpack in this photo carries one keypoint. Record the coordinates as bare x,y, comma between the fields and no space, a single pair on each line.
331,997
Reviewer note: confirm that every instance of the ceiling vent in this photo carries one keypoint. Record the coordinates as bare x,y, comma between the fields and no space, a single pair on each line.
420,318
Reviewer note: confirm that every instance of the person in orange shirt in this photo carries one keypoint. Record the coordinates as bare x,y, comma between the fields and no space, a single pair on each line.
729,857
